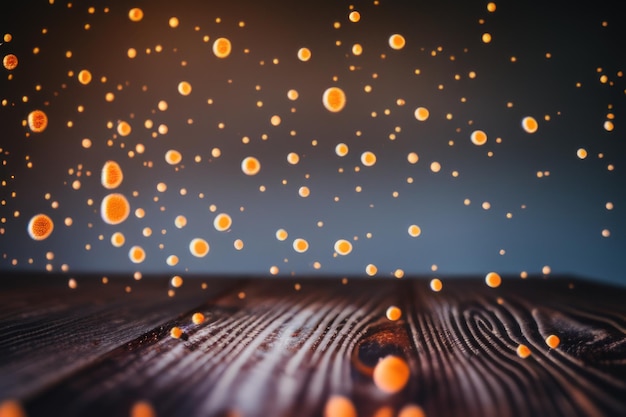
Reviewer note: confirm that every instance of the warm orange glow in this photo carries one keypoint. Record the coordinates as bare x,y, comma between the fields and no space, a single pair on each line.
334,99
529,124
184,88
341,149
281,234
123,128
222,47
300,245
135,14
371,270
199,247
304,54
343,247
493,279
368,158
10,62
136,254
414,230
523,351
118,239
393,313
436,285
397,41
12,408
339,406
250,166
114,208
112,175
173,157
37,121
391,374
222,222
40,227
421,114
478,137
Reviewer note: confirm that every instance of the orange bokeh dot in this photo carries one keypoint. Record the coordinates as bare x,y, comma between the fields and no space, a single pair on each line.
112,175
114,208
40,227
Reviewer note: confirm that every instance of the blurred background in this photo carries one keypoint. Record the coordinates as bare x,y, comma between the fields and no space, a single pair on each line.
441,176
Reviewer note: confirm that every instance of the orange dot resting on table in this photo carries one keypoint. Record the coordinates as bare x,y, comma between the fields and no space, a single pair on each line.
114,208
112,175
523,351
37,121
40,227
197,318
339,406
391,374
334,99
176,332
553,341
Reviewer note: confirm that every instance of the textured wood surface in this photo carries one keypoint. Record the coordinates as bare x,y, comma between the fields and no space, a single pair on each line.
267,349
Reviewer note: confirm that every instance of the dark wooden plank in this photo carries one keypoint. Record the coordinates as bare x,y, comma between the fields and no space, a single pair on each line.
278,351
49,330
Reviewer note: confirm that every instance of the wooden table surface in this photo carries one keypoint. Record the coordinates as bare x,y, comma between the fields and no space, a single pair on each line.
267,349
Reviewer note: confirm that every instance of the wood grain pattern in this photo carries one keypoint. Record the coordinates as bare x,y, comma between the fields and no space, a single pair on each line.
282,352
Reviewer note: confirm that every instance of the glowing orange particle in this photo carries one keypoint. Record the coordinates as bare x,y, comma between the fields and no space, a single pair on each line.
281,234
304,54
334,99
173,157
173,22
414,230
529,124
114,208
478,137
118,239
135,14
123,128
397,41
493,279
300,245
341,149
184,88
339,406
12,408
393,313
136,254
553,341
199,247
391,374
491,7
10,62
40,227
37,121
523,351
250,166
112,175
421,114
371,270
368,158
222,47
343,247
222,222
84,77
436,285
354,16
411,410
486,38
197,318
176,281
176,332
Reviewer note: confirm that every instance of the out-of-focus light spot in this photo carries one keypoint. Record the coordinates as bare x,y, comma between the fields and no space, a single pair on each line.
491,7
529,124
10,62
199,247
371,270
493,279
391,374
421,114
180,221
300,245
357,49
553,341
250,166
135,14
173,157
304,54
435,166
40,227
412,158
173,22
478,137
304,191
292,95
339,406
281,234
368,158
293,158
118,239
37,121
114,208
414,230
222,47
184,88
397,41
222,222
523,351
581,153
393,313
341,149
354,16
436,285
111,176
343,247
84,77
334,99
486,38
609,126
136,254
